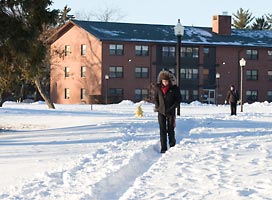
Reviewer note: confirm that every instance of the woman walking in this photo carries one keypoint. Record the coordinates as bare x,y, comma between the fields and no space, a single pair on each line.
167,98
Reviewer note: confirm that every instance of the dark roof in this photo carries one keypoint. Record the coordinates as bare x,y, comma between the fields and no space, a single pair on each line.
115,31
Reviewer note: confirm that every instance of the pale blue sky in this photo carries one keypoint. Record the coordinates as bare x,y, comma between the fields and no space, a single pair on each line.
191,12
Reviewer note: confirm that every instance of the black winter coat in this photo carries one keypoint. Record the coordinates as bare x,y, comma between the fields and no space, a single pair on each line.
232,96
166,103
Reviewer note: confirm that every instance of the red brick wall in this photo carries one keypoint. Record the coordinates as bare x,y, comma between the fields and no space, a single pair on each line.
92,83
221,24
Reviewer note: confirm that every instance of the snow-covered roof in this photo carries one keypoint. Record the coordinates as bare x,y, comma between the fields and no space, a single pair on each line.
115,31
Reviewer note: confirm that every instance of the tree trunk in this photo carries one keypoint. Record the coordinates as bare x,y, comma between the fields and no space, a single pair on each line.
1,103
43,93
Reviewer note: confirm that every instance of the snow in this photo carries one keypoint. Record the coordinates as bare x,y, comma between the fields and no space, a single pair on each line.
106,153
193,31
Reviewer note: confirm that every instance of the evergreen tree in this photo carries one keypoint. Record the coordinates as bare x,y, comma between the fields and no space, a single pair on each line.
242,19
21,38
269,19
64,16
260,24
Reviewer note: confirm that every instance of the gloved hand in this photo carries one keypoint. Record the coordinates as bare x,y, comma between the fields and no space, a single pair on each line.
226,102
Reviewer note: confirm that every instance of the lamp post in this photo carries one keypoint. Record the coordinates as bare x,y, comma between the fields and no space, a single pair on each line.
242,65
217,76
107,79
179,32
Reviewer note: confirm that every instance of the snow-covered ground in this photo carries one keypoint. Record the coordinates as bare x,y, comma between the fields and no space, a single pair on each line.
75,153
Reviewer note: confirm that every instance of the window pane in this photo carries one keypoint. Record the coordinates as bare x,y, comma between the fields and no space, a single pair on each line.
83,49
138,48
144,69
195,52
116,49
116,72
83,71
206,50
141,50
67,50
252,54
82,93
119,69
168,51
67,71
67,93
145,50
119,49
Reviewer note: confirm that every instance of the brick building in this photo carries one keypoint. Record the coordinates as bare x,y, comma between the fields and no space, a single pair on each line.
109,61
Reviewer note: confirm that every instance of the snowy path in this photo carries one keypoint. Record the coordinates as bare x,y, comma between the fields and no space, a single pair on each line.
116,153
117,157
213,161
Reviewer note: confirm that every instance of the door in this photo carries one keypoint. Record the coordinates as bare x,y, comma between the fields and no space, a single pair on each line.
209,96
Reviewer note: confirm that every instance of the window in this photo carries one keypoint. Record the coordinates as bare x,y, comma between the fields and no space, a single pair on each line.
67,50
252,54
83,71
141,72
184,95
269,53
251,95
168,52
116,92
116,72
141,50
206,50
82,93
141,94
269,96
195,95
67,72
269,73
189,73
252,75
189,52
206,72
83,49
67,93
195,52
116,49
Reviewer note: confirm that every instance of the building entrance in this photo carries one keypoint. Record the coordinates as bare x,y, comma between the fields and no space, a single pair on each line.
209,96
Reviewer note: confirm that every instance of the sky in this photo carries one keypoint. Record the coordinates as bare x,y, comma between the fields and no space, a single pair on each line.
107,153
191,13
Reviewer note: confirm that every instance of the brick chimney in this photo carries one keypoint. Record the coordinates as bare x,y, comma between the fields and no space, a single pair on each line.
221,24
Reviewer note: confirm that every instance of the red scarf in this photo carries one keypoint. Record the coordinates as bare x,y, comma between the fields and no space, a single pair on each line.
164,89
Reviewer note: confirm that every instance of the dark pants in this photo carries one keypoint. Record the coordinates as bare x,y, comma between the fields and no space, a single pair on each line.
167,125
233,107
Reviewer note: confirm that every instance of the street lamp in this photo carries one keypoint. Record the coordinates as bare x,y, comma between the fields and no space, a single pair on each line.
179,32
217,76
242,65
107,79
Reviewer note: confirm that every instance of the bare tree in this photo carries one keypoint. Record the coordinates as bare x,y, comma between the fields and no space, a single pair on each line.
107,14
84,15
